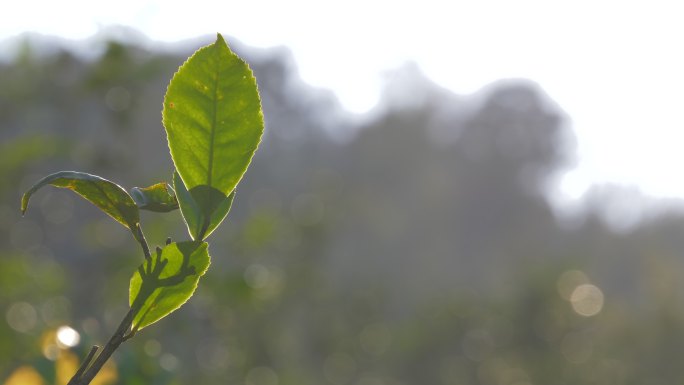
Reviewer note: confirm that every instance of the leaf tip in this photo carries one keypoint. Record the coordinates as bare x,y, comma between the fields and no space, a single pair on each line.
24,204
220,40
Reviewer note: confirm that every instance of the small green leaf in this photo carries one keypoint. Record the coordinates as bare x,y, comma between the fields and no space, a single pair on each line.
203,208
166,281
213,120
106,195
215,206
159,198
188,207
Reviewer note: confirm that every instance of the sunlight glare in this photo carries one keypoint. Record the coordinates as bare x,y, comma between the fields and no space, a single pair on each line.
67,337
620,85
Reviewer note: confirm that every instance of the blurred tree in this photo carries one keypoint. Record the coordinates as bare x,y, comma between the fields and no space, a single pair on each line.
415,247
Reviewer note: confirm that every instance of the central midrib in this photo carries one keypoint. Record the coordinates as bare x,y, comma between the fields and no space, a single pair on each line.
210,166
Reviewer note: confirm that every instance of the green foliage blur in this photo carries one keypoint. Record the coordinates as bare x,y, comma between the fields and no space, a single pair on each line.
414,245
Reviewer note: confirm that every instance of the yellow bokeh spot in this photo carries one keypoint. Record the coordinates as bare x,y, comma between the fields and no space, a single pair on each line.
67,364
48,345
107,375
25,375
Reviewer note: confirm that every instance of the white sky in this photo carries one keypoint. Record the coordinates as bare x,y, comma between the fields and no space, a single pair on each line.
616,67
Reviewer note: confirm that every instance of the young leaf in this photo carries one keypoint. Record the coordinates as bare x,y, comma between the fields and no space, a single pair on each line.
215,208
106,195
159,198
213,120
188,207
166,281
203,208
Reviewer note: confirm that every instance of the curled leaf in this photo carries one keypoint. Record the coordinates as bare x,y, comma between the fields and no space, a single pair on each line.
159,198
106,195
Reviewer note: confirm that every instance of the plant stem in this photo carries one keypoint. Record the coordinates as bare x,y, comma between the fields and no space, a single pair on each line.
88,371
140,237
114,342
86,362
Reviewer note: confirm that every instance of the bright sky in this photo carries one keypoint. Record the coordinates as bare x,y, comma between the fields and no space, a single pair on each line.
615,67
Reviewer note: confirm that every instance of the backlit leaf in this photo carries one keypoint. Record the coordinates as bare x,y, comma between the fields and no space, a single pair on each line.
107,196
166,281
213,120
203,208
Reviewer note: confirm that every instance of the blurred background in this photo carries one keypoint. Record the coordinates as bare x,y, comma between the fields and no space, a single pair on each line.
423,241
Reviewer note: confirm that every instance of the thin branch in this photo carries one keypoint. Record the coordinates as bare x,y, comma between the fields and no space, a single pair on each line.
86,362
140,237
106,352
86,373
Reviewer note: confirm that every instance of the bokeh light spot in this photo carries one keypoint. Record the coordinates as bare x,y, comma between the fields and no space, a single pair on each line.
25,375
67,337
22,317
587,300
256,276
168,362
152,348
48,345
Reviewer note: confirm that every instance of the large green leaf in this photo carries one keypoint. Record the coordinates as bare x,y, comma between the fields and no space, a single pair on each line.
203,208
159,198
166,281
108,196
213,120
